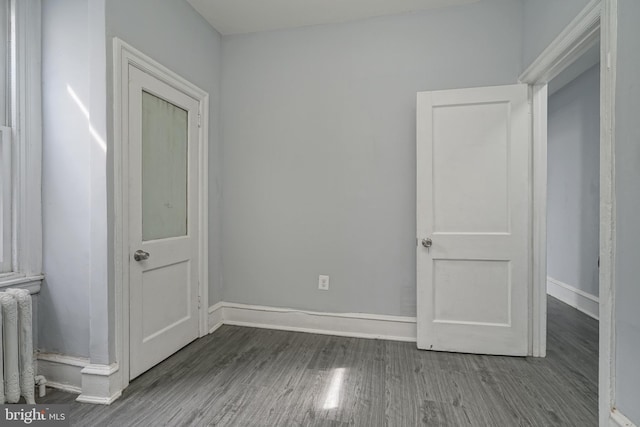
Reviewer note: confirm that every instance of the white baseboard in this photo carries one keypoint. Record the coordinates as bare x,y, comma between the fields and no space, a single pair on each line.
619,420
215,317
94,383
359,325
586,303
100,384
62,372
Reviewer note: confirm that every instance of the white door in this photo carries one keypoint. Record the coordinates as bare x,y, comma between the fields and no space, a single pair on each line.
163,220
473,204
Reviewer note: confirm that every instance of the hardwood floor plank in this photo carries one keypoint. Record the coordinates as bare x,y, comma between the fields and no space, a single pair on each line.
257,377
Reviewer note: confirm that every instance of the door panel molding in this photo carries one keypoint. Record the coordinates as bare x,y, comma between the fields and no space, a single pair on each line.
125,56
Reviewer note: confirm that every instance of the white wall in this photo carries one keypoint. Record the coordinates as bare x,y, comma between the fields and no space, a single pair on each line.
319,150
627,133
73,299
543,21
100,348
66,179
573,220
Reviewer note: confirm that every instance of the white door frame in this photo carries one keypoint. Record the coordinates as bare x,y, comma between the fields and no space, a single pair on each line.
597,21
123,56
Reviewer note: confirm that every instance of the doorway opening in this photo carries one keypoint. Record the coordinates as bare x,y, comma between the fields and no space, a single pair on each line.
573,218
597,22
573,184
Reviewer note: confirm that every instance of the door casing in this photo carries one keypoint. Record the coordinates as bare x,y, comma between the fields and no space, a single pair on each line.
597,21
125,55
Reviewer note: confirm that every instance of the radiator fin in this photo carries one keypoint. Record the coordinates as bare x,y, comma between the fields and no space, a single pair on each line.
17,347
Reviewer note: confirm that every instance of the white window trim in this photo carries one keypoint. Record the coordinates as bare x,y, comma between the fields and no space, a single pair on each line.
5,195
26,122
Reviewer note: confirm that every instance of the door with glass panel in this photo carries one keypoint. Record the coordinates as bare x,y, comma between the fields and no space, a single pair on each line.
163,220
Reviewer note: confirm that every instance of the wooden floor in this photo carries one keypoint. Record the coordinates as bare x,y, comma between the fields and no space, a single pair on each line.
256,377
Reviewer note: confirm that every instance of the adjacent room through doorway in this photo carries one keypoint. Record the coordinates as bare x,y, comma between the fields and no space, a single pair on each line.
573,184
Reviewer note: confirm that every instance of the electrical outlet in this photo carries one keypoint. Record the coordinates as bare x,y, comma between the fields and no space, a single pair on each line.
323,282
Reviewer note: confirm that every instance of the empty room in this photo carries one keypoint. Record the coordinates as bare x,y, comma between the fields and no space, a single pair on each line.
319,212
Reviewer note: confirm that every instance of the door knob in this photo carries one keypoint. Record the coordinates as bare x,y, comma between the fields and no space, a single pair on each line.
427,242
140,255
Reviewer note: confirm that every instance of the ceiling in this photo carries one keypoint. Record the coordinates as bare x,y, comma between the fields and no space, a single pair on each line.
248,16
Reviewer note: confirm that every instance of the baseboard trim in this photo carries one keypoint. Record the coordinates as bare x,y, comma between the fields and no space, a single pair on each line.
64,387
215,317
586,303
100,384
357,325
62,372
96,400
618,420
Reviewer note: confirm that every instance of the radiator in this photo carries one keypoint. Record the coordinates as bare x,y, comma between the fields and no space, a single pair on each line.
16,355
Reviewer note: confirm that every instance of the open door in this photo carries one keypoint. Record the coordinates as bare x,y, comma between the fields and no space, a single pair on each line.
473,221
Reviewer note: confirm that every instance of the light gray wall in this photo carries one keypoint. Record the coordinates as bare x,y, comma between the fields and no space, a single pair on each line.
319,150
66,191
543,21
574,182
174,34
627,133
99,345
73,318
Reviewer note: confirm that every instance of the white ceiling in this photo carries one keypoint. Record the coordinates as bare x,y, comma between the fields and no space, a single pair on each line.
248,16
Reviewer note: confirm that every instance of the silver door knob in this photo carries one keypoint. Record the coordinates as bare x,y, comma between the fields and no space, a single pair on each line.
427,242
140,255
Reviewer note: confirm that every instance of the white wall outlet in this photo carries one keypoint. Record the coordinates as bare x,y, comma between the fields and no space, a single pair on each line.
323,282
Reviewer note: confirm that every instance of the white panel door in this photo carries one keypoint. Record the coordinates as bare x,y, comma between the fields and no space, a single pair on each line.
473,204
163,171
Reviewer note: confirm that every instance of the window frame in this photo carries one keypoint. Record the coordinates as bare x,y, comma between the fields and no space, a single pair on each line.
25,121
6,208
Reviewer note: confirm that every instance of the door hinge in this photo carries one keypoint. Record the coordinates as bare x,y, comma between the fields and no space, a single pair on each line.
199,120
198,302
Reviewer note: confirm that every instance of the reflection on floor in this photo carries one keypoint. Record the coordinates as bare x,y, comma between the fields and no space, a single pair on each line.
257,377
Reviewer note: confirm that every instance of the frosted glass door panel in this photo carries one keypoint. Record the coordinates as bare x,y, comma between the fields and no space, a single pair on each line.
164,169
